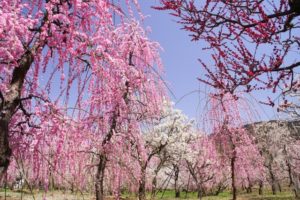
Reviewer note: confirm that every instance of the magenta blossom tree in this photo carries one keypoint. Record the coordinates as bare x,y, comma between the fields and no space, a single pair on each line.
253,44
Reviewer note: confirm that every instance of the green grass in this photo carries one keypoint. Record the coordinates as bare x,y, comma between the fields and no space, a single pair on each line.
226,195
286,195
168,195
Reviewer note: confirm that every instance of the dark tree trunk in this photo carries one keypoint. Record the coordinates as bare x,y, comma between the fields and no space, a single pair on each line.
233,184
142,185
176,176
200,195
100,178
177,193
218,190
273,180
10,101
99,189
249,188
5,151
290,173
279,186
274,191
260,190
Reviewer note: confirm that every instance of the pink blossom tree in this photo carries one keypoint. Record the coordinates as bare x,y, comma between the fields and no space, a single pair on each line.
67,69
39,36
204,164
233,142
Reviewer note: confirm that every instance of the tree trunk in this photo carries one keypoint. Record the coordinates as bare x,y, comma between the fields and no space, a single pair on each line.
142,185
234,191
274,191
297,189
154,180
218,190
279,186
294,177
296,184
100,178
176,176
290,173
249,188
10,101
274,184
154,185
200,192
102,158
273,180
177,193
5,151
260,190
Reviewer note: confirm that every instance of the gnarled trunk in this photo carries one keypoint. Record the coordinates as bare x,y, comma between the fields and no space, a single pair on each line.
100,178
5,151
9,102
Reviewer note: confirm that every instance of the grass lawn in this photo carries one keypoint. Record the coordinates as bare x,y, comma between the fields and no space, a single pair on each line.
168,195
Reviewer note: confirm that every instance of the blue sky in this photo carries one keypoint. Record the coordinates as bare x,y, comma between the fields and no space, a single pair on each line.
181,66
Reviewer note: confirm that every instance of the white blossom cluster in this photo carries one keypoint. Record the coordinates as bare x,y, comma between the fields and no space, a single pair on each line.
172,131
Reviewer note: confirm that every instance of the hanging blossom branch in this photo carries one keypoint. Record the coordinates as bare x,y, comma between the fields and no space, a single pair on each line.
253,43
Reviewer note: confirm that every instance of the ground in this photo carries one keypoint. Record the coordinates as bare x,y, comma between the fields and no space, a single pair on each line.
168,195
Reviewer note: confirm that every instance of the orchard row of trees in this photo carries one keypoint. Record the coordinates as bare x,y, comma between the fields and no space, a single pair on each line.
169,153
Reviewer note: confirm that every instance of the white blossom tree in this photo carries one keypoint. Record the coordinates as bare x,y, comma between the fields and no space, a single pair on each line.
164,138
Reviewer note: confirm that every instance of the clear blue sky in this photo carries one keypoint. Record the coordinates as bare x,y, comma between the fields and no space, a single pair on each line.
181,66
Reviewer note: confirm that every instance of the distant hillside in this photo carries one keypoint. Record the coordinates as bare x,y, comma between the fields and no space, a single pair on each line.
275,129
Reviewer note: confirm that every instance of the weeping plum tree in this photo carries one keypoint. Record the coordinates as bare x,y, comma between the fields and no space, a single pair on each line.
131,97
63,58
236,146
254,44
